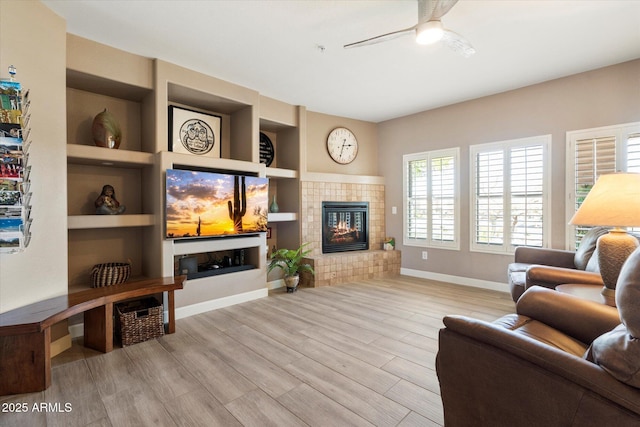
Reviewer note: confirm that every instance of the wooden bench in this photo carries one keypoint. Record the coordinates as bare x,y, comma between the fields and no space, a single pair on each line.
25,333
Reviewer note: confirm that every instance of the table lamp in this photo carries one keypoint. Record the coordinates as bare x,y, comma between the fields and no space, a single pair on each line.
614,201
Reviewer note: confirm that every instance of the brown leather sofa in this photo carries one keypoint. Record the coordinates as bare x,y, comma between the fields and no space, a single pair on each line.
552,267
558,361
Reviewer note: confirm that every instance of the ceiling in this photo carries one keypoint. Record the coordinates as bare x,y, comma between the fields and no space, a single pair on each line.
292,50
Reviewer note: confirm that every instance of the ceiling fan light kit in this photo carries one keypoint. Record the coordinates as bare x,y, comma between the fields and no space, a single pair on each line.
429,32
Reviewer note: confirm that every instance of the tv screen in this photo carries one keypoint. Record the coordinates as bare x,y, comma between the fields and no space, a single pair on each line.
208,204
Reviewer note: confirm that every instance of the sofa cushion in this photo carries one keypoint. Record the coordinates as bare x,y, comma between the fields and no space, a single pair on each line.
618,351
587,247
517,267
517,280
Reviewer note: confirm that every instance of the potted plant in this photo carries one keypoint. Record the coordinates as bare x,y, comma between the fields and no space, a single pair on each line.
290,261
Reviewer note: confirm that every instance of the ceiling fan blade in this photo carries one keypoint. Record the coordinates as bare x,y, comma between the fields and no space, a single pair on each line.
441,7
381,38
457,43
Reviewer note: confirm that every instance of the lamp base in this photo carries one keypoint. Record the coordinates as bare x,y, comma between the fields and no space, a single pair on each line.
613,250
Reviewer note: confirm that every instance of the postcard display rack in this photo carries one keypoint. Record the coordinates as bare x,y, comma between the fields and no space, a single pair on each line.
15,208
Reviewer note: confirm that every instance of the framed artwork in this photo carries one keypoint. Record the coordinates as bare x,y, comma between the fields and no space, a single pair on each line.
268,232
193,132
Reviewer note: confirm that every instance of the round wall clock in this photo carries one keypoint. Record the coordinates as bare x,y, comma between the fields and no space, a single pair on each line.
342,145
266,150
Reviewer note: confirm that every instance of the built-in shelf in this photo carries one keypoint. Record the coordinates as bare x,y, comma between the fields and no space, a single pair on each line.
219,271
281,173
80,222
100,156
282,216
169,160
202,245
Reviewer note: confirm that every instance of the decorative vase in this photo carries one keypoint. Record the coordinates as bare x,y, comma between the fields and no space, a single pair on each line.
106,130
292,282
274,205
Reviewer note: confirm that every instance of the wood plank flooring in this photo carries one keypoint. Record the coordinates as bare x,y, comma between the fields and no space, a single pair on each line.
358,354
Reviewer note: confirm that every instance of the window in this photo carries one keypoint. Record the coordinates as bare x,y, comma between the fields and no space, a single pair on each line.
509,192
591,153
431,199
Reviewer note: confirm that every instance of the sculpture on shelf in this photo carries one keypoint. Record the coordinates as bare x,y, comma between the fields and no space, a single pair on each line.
106,131
107,204
239,207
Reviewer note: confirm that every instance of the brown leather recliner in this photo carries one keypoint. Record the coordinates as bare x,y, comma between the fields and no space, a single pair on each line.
559,361
552,267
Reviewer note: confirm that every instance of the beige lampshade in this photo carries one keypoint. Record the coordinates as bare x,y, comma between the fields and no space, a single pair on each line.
614,201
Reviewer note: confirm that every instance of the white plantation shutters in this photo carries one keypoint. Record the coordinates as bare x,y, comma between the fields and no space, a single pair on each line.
633,152
416,199
431,199
509,194
443,198
591,153
489,202
527,185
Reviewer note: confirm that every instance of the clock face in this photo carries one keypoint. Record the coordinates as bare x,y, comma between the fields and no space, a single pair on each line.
342,145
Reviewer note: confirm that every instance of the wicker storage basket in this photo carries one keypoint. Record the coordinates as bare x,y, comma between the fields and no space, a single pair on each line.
111,273
138,321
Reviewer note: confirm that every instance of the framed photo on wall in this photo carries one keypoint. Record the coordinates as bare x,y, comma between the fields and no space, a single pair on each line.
194,132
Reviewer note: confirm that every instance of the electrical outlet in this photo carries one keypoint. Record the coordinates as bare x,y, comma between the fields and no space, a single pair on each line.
424,255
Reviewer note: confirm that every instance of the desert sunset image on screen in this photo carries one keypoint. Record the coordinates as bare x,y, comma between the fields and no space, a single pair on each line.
205,204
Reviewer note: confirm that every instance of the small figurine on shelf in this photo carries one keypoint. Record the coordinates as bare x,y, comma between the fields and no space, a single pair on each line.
107,204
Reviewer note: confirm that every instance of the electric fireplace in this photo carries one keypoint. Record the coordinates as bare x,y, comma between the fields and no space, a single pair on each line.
345,226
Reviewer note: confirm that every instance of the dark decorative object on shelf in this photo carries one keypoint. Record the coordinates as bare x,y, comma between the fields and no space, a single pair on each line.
267,152
107,204
110,273
106,130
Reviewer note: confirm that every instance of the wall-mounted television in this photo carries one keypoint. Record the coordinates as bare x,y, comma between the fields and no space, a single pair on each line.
211,204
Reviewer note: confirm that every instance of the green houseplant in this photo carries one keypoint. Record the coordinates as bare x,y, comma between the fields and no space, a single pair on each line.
290,261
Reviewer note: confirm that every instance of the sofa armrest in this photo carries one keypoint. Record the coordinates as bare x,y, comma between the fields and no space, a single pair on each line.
550,277
579,318
545,256
511,377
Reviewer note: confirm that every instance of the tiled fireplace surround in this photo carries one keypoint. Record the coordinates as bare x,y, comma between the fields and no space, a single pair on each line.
332,269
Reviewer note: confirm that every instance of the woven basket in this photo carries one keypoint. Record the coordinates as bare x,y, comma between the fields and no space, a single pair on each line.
138,321
111,273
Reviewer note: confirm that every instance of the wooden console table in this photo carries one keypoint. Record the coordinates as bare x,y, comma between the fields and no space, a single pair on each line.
25,333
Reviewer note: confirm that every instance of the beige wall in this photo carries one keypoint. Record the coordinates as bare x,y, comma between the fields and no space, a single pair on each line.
318,160
602,97
33,39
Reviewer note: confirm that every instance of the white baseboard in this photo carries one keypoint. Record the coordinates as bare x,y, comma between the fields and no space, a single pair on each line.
77,330
458,280
201,307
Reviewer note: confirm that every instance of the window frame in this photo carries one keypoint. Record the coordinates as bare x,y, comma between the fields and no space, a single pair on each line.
429,242
506,247
620,132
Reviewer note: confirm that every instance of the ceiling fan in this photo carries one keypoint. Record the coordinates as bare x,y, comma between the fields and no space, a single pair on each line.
428,30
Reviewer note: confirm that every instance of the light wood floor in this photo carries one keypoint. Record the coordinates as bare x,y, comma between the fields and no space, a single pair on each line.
359,354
